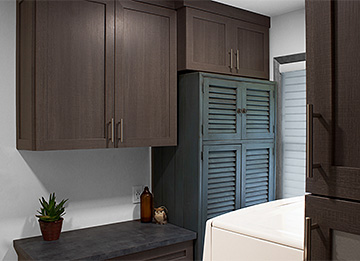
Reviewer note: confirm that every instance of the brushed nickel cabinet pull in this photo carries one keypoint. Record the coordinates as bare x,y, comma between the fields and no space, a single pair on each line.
112,130
231,58
237,60
307,239
310,115
121,130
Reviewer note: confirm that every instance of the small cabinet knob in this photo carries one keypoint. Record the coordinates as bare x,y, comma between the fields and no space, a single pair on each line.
238,110
244,110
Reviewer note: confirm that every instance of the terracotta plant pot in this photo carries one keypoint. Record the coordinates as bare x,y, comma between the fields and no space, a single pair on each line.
51,230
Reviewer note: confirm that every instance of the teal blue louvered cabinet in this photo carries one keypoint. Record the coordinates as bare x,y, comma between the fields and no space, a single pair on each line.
225,154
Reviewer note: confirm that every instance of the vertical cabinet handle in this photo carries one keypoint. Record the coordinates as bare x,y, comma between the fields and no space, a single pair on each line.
237,60
307,239
112,130
231,59
310,115
121,123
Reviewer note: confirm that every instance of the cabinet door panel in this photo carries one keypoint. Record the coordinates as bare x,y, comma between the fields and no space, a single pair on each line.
221,119
221,179
251,49
332,88
146,74
74,76
258,120
257,174
335,232
207,43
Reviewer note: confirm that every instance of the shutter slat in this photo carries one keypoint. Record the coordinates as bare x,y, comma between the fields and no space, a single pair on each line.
218,180
222,121
219,185
225,112
257,166
254,117
221,194
256,198
214,201
222,90
256,93
221,209
222,107
217,170
258,175
256,162
215,191
220,117
256,180
254,171
256,202
222,165
222,154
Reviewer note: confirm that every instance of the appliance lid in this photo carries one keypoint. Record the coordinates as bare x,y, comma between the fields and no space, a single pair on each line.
279,221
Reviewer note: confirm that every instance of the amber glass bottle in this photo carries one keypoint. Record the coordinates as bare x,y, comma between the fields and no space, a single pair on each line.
146,206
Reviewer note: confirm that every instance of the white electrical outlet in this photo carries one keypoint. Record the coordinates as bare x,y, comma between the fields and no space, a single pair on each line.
137,190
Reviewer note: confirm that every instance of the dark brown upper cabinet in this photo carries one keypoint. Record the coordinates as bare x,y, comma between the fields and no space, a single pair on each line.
65,76
73,94
145,75
218,43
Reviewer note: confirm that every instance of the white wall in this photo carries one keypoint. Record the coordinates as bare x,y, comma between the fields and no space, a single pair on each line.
287,35
98,183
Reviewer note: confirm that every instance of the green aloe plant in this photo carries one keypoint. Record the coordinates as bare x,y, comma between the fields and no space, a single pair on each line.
50,211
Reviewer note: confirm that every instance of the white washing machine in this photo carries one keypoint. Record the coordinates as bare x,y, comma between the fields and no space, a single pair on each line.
269,231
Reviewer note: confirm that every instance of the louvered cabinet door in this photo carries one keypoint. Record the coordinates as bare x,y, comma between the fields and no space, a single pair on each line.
221,105
258,114
257,174
221,179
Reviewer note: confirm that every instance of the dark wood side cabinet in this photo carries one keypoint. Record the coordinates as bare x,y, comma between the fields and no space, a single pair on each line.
217,38
73,94
333,126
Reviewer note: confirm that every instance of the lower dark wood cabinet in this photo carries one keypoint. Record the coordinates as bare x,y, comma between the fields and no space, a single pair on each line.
334,229
181,251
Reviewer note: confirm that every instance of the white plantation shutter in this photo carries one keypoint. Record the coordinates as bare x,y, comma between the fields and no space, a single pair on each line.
293,132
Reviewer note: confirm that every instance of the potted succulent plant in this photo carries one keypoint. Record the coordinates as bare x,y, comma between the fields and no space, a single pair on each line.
50,217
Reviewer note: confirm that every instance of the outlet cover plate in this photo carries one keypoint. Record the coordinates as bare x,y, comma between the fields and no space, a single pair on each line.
136,192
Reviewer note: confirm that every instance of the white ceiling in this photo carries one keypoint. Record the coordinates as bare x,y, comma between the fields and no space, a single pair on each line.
267,7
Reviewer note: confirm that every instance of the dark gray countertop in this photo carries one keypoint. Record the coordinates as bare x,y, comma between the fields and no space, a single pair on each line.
103,242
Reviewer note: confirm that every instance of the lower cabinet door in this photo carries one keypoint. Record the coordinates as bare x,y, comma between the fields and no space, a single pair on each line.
221,179
332,229
257,173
